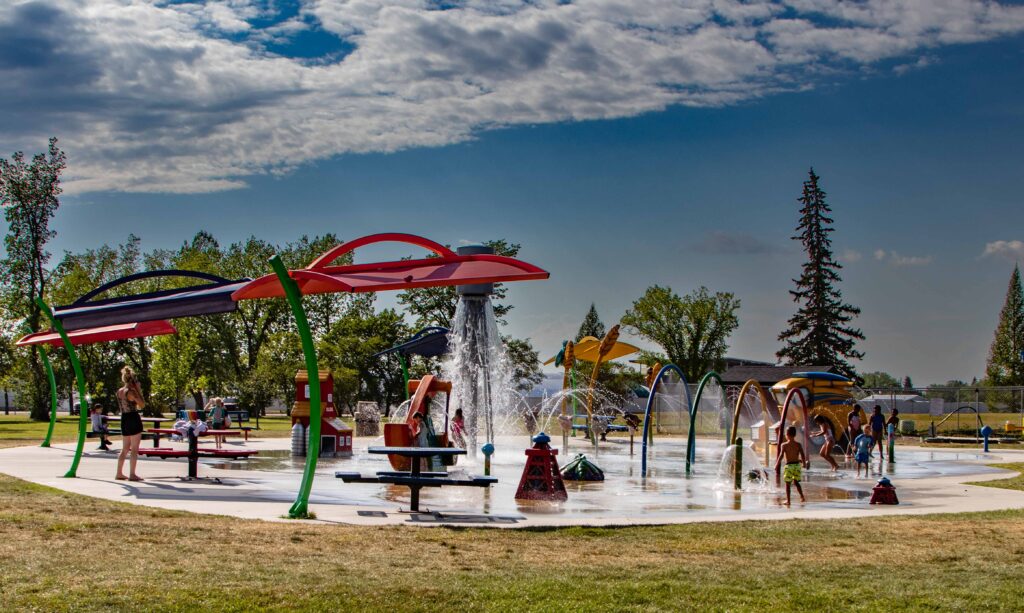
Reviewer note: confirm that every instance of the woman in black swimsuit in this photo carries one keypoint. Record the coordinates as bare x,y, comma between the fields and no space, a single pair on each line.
129,399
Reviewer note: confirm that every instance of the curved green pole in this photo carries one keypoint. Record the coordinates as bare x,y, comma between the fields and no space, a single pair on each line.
53,394
300,508
691,444
83,412
648,410
405,374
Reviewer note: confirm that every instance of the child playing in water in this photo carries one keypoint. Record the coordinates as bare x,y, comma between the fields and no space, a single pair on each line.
877,423
825,430
893,423
862,450
795,459
459,429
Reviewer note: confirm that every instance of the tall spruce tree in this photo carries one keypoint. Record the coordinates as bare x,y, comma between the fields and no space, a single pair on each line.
820,332
591,326
1005,358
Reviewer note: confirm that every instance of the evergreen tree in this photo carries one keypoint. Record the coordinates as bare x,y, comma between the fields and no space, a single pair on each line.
907,383
591,325
1005,357
820,333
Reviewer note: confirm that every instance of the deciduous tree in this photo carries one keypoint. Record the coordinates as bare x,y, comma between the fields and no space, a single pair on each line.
692,329
29,195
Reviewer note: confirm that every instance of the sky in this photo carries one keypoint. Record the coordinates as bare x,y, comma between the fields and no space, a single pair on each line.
622,144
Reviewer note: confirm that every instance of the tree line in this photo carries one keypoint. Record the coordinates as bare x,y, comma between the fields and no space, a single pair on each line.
254,352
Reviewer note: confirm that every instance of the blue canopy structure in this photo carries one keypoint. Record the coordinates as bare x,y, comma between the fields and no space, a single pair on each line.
190,301
429,342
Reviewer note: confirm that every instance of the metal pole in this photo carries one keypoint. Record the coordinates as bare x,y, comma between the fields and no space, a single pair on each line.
691,442
83,403
738,464
300,509
53,394
405,374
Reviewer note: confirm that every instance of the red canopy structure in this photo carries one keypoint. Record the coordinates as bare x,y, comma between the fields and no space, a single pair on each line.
445,268
87,336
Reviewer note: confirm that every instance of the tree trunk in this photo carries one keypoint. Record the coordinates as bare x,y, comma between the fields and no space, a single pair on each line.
197,396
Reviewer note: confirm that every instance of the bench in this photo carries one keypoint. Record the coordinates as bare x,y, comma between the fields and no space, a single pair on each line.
416,482
115,432
203,452
415,479
218,435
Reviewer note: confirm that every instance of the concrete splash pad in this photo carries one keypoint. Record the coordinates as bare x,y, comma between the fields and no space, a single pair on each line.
927,481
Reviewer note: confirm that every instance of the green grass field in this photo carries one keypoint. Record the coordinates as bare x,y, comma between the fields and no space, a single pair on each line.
1013,483
61,551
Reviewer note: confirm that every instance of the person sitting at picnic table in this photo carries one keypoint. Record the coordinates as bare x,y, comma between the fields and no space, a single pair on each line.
217,413
99,426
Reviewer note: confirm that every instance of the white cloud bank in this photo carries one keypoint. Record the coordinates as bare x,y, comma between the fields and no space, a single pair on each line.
1012,251
182,97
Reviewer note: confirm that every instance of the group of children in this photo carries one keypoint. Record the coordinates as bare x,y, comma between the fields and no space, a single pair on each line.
863,442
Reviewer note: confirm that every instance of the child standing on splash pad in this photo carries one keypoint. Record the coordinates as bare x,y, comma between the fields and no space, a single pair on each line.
862,450
795,460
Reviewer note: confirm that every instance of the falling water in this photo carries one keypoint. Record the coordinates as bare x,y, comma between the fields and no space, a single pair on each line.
480,372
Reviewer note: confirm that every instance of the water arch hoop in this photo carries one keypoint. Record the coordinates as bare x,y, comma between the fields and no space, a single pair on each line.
765,414
691,435
650,406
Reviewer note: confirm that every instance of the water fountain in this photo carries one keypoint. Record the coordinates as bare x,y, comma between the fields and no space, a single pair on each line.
478,367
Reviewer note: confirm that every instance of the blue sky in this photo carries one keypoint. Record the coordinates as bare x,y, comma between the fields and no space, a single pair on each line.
619,147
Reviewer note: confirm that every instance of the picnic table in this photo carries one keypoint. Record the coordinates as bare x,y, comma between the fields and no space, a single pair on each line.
156,424
218,435
416,478
194,452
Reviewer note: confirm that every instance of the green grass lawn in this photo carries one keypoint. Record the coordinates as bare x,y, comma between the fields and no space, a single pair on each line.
61,551
1013,483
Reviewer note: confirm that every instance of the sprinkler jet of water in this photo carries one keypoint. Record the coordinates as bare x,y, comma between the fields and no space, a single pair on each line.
607,343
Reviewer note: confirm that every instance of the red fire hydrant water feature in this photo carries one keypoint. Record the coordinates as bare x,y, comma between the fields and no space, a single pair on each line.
884,492
541,477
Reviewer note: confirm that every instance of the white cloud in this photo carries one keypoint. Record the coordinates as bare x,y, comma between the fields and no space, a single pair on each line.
187,97
898,259
909,260
851,255
1007,250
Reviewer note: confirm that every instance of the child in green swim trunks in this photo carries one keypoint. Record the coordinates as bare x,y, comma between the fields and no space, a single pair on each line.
795,460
